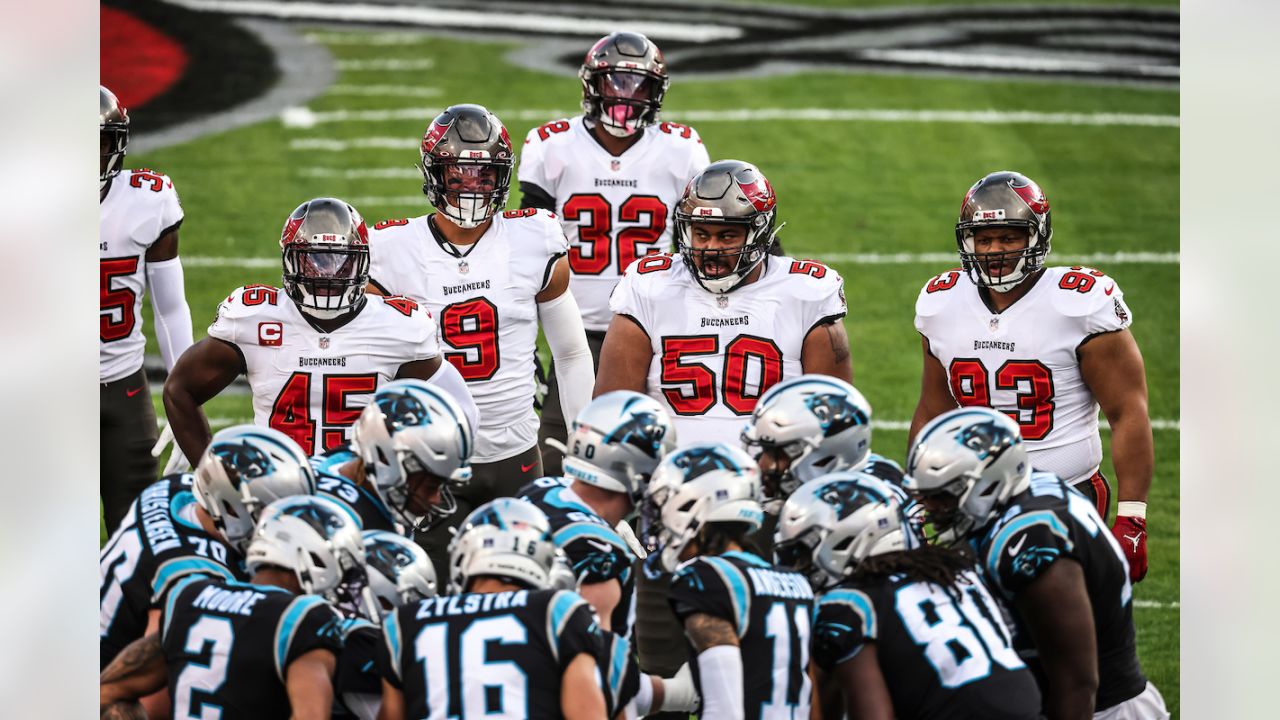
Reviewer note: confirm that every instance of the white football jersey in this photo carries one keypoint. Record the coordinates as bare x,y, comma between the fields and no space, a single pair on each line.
483,297
312,385
1023,361
140,206
714,355
613,209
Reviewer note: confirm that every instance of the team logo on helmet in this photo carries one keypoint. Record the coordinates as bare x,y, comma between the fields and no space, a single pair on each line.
290,230
846,497
834,412
699,461
321,519
245,461
402,410
987,439
434,134
641,431
1032,195
759,193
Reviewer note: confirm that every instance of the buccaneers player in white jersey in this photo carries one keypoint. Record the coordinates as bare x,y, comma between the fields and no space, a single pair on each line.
1047,346
314,351
612,174
491,277
708,332
138,248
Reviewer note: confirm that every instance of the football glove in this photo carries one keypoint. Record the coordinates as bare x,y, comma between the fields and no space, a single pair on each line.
1130,531
679,694
177,460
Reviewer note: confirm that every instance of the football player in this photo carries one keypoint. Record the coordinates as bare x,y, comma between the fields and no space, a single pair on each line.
706,334
266,649
612,175
314,352
398,572
746,621
138,250
902,629
410,446
1048,346
1046,549
505,644
491,277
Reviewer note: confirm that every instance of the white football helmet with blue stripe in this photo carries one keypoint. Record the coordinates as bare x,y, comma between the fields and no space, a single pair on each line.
315,538
399,572
409,427
245,468
699,485
616,442
974,455
831,524
821,423
506,538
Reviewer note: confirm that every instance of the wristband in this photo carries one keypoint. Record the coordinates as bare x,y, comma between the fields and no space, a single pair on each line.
1131,508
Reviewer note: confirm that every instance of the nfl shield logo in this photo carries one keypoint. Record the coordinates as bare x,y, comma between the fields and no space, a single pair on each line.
722,301
722,494
615,165
324,343
463,267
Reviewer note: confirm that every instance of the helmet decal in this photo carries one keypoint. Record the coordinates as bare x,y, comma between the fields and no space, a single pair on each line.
759,193
1032,195
835,413
402,410
434,134
290,230
987,439
697,462
847,496
247,461
643,431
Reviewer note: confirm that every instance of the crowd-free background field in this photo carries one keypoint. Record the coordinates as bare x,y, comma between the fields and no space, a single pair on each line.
874,195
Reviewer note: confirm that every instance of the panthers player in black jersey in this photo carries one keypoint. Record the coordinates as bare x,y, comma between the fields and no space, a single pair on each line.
411,447
902,629
1044,547
746,622
251,650
505,644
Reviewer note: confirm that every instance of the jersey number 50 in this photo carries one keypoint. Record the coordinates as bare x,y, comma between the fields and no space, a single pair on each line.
697,383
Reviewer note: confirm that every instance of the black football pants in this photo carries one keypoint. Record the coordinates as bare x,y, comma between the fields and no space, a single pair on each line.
127,431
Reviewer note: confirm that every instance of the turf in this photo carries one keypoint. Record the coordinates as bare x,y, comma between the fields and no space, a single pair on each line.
843,186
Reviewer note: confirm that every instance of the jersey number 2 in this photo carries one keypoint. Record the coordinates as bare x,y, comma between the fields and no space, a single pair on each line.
216,634
291,412
1031,380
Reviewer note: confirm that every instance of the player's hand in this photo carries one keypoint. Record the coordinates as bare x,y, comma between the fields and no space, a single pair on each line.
679,694
1131,532
177,460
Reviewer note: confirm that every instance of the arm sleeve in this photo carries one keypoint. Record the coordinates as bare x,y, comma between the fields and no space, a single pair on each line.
720,678
1023,548
427,335
562,323
169,306
845,621
448,379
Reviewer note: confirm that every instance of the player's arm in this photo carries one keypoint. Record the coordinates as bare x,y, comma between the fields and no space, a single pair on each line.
935,392
136,672
719,665
309,682
392,703
419,369
157,704
866,696
532,196
203,371
624,357
1055,606
826,351
603,597
1112,366
561,322
580,695
168,298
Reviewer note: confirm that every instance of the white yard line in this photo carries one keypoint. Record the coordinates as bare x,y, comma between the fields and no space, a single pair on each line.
385,173
435,17
1156,424
384,64
413,91
1156,604
302,117
953,59
332,145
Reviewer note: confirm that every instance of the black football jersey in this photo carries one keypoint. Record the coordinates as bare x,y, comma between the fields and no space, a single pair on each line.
1050,521
228,645
945,652
470,655
366,507
357,672
770,608
158,543
595,550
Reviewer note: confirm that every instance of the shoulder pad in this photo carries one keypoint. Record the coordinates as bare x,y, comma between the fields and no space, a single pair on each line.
654,265
547,131
250,300
1080,291
403,305
146,179
678,132
938,292
817,279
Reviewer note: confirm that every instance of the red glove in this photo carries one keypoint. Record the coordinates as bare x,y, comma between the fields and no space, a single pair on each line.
1131,533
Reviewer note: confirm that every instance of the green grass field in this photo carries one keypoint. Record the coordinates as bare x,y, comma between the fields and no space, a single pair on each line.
844,187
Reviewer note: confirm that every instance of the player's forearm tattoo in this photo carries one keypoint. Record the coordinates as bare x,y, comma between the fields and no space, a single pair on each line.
124,711
707,631
137,657
839,341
